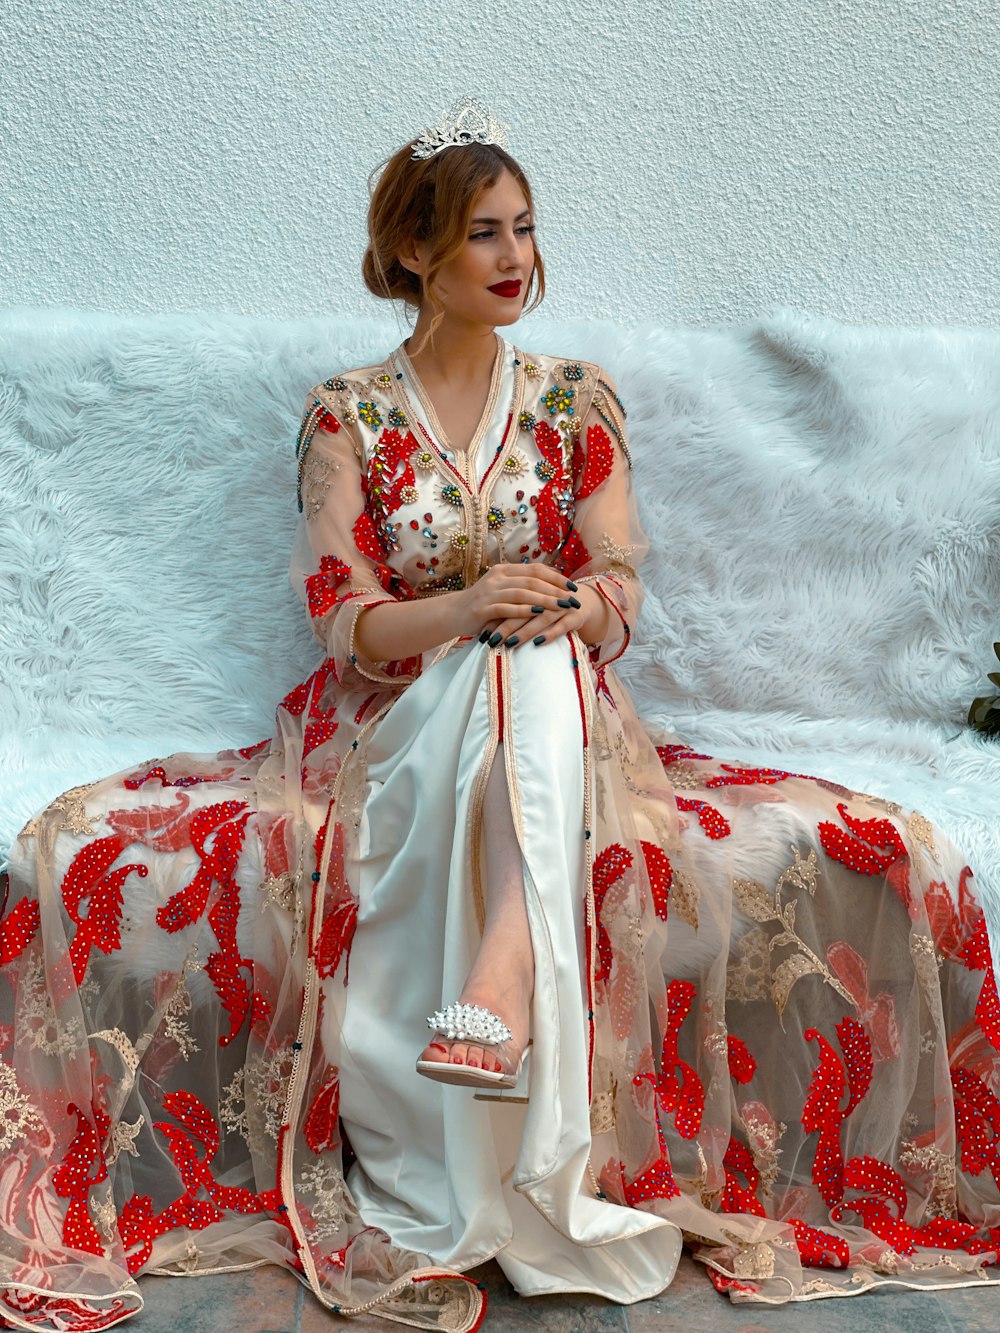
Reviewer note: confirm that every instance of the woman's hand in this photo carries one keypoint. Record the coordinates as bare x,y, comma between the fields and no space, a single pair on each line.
515,603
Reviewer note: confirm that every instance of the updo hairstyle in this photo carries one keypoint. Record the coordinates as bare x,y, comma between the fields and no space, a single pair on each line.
432,199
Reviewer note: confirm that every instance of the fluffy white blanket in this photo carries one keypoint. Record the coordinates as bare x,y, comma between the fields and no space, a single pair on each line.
823,503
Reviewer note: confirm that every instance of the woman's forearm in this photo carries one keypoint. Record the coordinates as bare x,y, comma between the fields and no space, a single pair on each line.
390,631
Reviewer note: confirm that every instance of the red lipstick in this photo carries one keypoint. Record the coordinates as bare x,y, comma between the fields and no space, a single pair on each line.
511,288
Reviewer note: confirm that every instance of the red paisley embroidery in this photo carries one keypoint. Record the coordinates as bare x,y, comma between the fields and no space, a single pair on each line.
600,459
609,867
877,848
89,876
322,588
713,824
819,1249
742,1065
952,925
823,1113
661,876
737,1198
878,1014
678,1088
81,1169
18,929
193,1143
321,1125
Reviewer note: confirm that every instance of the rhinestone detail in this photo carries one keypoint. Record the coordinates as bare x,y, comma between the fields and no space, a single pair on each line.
470,1022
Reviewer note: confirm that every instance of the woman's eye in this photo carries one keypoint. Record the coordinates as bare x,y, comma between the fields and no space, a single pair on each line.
528,227
480,235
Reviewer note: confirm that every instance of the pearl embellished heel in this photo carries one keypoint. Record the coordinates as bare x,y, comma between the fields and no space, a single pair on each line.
472,1023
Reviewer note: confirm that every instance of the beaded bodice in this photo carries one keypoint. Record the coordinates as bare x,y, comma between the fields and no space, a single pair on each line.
439,517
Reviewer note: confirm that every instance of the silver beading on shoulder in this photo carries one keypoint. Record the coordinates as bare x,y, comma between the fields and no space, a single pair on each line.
468,121
467,1021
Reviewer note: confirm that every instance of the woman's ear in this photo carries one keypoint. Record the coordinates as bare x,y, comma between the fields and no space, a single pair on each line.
411,257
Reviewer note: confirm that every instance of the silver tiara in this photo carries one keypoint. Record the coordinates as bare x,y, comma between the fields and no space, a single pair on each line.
468,121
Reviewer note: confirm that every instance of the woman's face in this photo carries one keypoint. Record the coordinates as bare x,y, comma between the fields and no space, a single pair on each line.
498,253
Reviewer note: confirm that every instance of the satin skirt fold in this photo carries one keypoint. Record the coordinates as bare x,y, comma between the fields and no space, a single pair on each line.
459,1174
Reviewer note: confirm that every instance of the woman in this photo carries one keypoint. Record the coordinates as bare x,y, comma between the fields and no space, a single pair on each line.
669,997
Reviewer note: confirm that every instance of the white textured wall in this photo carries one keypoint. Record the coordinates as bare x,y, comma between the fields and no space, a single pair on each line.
694,161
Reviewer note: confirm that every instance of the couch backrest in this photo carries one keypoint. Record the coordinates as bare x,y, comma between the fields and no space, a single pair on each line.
822,502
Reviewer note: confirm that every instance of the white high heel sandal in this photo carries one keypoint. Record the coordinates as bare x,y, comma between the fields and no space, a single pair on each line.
473,1023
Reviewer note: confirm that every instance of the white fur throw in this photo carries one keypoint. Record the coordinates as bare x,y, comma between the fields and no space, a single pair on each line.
823,503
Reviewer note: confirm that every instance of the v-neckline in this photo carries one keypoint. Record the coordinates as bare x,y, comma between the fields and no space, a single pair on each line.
492,396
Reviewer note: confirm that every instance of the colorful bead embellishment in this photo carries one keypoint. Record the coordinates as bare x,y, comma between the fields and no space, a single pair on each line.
531,370
451,494
424,460
397,418
559,399
459,540
336,383
544,471
516,465
370,414
526,421
496,518
409,495
574,371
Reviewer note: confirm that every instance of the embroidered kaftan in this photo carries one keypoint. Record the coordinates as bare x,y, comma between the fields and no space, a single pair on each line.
765,1017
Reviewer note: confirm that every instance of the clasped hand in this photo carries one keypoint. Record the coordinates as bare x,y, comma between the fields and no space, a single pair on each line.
515,603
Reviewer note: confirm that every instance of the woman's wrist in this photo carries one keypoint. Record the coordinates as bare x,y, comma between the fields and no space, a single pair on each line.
597,615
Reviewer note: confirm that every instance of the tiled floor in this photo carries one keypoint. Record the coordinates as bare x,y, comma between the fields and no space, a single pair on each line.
267,1300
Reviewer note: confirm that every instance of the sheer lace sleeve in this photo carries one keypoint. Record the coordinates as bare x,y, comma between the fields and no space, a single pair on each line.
337,567
607,543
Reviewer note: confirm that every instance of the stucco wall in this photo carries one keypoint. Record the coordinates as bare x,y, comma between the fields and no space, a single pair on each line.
695,161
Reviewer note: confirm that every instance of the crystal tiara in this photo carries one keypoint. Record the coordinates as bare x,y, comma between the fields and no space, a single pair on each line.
468,121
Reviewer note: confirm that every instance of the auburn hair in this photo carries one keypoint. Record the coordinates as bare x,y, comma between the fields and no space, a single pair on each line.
431,199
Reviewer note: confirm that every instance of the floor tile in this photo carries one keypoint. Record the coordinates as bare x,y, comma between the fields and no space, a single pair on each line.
261,1300
271,1300
571,1312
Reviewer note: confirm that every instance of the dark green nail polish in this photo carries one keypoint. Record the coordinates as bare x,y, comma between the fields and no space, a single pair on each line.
509,643
495,639
563,601
573,602
484,636
537,610
539,638
571,585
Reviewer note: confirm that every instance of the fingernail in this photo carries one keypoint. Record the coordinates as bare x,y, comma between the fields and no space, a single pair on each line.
495,639
484,636
571,585
564,601
573,602
539,638
537,610
509,643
